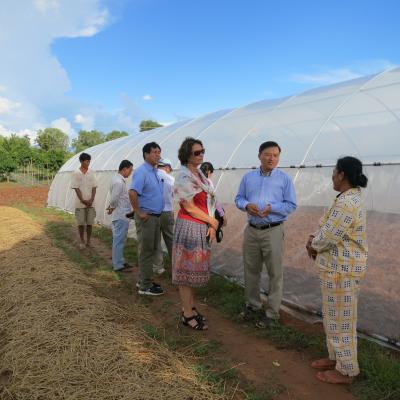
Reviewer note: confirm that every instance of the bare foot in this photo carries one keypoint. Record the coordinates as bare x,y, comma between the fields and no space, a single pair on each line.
334,377
323,363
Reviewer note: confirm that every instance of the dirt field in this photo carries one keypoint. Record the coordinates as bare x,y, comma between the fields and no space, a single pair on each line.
11,194
259,364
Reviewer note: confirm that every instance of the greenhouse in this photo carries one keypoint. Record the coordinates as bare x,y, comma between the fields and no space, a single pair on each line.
360,117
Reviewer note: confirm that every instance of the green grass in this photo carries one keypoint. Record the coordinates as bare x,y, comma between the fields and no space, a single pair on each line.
105,235
229,298
380,368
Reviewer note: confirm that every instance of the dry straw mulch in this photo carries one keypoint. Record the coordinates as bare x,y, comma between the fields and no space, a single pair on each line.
61,340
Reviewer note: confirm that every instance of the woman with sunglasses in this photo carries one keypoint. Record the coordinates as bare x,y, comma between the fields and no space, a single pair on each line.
194,231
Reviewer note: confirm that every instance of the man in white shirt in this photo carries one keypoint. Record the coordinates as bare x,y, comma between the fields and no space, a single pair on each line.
84,183
118,208
167,216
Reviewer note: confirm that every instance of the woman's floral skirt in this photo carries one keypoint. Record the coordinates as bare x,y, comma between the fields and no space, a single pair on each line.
190,254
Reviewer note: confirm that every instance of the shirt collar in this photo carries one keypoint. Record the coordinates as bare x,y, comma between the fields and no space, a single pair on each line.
124,179
349,192
267,174
149,167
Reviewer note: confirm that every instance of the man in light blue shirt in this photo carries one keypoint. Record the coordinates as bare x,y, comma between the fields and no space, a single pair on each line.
147,199
268,196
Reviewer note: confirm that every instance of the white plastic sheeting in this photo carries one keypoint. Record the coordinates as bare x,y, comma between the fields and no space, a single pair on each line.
360,117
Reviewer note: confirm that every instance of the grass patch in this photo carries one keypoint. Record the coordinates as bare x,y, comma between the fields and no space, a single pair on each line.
380,368
105,235
229,298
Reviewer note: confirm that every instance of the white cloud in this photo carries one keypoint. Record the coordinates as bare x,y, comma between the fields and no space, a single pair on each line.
147,97
167,123
44,5
328,76
34,79
6,105
86,122
21,133
63,124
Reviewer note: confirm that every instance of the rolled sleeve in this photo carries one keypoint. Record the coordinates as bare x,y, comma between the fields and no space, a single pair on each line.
75,181
138,181
116,191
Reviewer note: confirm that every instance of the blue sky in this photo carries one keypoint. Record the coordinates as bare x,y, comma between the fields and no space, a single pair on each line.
106,65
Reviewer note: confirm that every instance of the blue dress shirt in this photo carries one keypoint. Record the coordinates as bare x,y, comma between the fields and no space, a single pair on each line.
276,189
150,189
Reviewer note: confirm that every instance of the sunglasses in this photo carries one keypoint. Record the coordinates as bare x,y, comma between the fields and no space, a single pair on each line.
198,152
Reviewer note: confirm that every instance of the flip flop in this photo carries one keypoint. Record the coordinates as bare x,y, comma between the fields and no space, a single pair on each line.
323,363
334,377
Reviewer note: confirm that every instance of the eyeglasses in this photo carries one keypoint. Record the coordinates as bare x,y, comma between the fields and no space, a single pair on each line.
198,152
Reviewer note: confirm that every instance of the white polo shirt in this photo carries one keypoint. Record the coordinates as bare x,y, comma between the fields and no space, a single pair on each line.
169,181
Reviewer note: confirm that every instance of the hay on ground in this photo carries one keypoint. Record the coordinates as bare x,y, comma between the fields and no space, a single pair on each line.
61,340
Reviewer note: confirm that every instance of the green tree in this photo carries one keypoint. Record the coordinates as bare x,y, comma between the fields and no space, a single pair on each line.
54,159
52,139
115,135
87,139
148,124
19,148
7,163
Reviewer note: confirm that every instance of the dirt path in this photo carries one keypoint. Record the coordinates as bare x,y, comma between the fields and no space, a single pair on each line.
257,361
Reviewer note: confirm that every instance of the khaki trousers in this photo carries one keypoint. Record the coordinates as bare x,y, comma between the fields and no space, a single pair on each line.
167,230
264,246
148,237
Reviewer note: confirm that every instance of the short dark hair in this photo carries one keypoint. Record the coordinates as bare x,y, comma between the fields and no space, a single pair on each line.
124,164
265,145
206,168
149,146
84,157
352,170
185,151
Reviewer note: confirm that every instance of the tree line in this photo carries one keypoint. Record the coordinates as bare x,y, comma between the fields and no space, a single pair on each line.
52,147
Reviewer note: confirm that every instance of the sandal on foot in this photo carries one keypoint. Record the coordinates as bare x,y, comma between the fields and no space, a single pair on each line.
334,377
198,315
199,324
323,363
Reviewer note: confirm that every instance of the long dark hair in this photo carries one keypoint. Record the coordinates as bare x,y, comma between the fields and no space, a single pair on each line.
352,170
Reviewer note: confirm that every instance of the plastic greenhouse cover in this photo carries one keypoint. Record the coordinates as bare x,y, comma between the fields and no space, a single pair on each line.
360,117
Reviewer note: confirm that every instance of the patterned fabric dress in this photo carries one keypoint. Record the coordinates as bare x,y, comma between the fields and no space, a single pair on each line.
191,251
342,260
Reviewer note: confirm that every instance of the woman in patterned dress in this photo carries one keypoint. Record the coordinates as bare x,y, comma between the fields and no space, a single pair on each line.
194,231
340,251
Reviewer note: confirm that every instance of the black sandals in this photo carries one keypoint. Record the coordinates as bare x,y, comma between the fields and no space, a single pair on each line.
199,323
